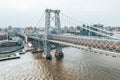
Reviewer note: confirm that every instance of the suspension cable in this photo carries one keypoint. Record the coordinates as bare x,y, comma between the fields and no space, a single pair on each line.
40,19
89,26
43,20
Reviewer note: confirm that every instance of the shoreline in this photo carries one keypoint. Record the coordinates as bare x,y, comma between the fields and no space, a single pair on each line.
9,55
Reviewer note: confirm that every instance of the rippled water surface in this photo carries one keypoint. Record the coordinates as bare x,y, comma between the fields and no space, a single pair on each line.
76,65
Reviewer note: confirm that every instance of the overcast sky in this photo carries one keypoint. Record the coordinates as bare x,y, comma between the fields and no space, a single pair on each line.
22,13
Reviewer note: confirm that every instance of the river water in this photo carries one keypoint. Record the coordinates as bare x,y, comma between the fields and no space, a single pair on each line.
76,65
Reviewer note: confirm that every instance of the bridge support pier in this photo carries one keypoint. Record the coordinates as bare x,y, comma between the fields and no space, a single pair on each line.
59,54
49,57
40,47
47,49
26,39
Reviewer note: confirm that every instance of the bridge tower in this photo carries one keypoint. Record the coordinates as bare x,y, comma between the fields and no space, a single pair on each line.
58,52
47,46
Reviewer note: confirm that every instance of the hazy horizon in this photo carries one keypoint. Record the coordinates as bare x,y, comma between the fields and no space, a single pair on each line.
22,13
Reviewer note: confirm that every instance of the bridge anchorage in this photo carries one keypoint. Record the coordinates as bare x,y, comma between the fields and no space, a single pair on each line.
46,44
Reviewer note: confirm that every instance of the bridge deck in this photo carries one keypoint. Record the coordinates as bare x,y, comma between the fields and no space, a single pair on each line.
86,48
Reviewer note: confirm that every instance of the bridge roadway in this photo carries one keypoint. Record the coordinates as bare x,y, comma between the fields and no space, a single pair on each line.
85,41
85,48
103,44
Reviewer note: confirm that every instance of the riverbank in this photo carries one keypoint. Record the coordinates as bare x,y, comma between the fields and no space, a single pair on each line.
8,53
9,57
6,50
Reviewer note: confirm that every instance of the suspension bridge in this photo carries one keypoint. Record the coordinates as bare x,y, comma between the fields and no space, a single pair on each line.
53,37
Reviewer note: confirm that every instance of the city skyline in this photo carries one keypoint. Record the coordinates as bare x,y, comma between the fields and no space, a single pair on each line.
22,13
